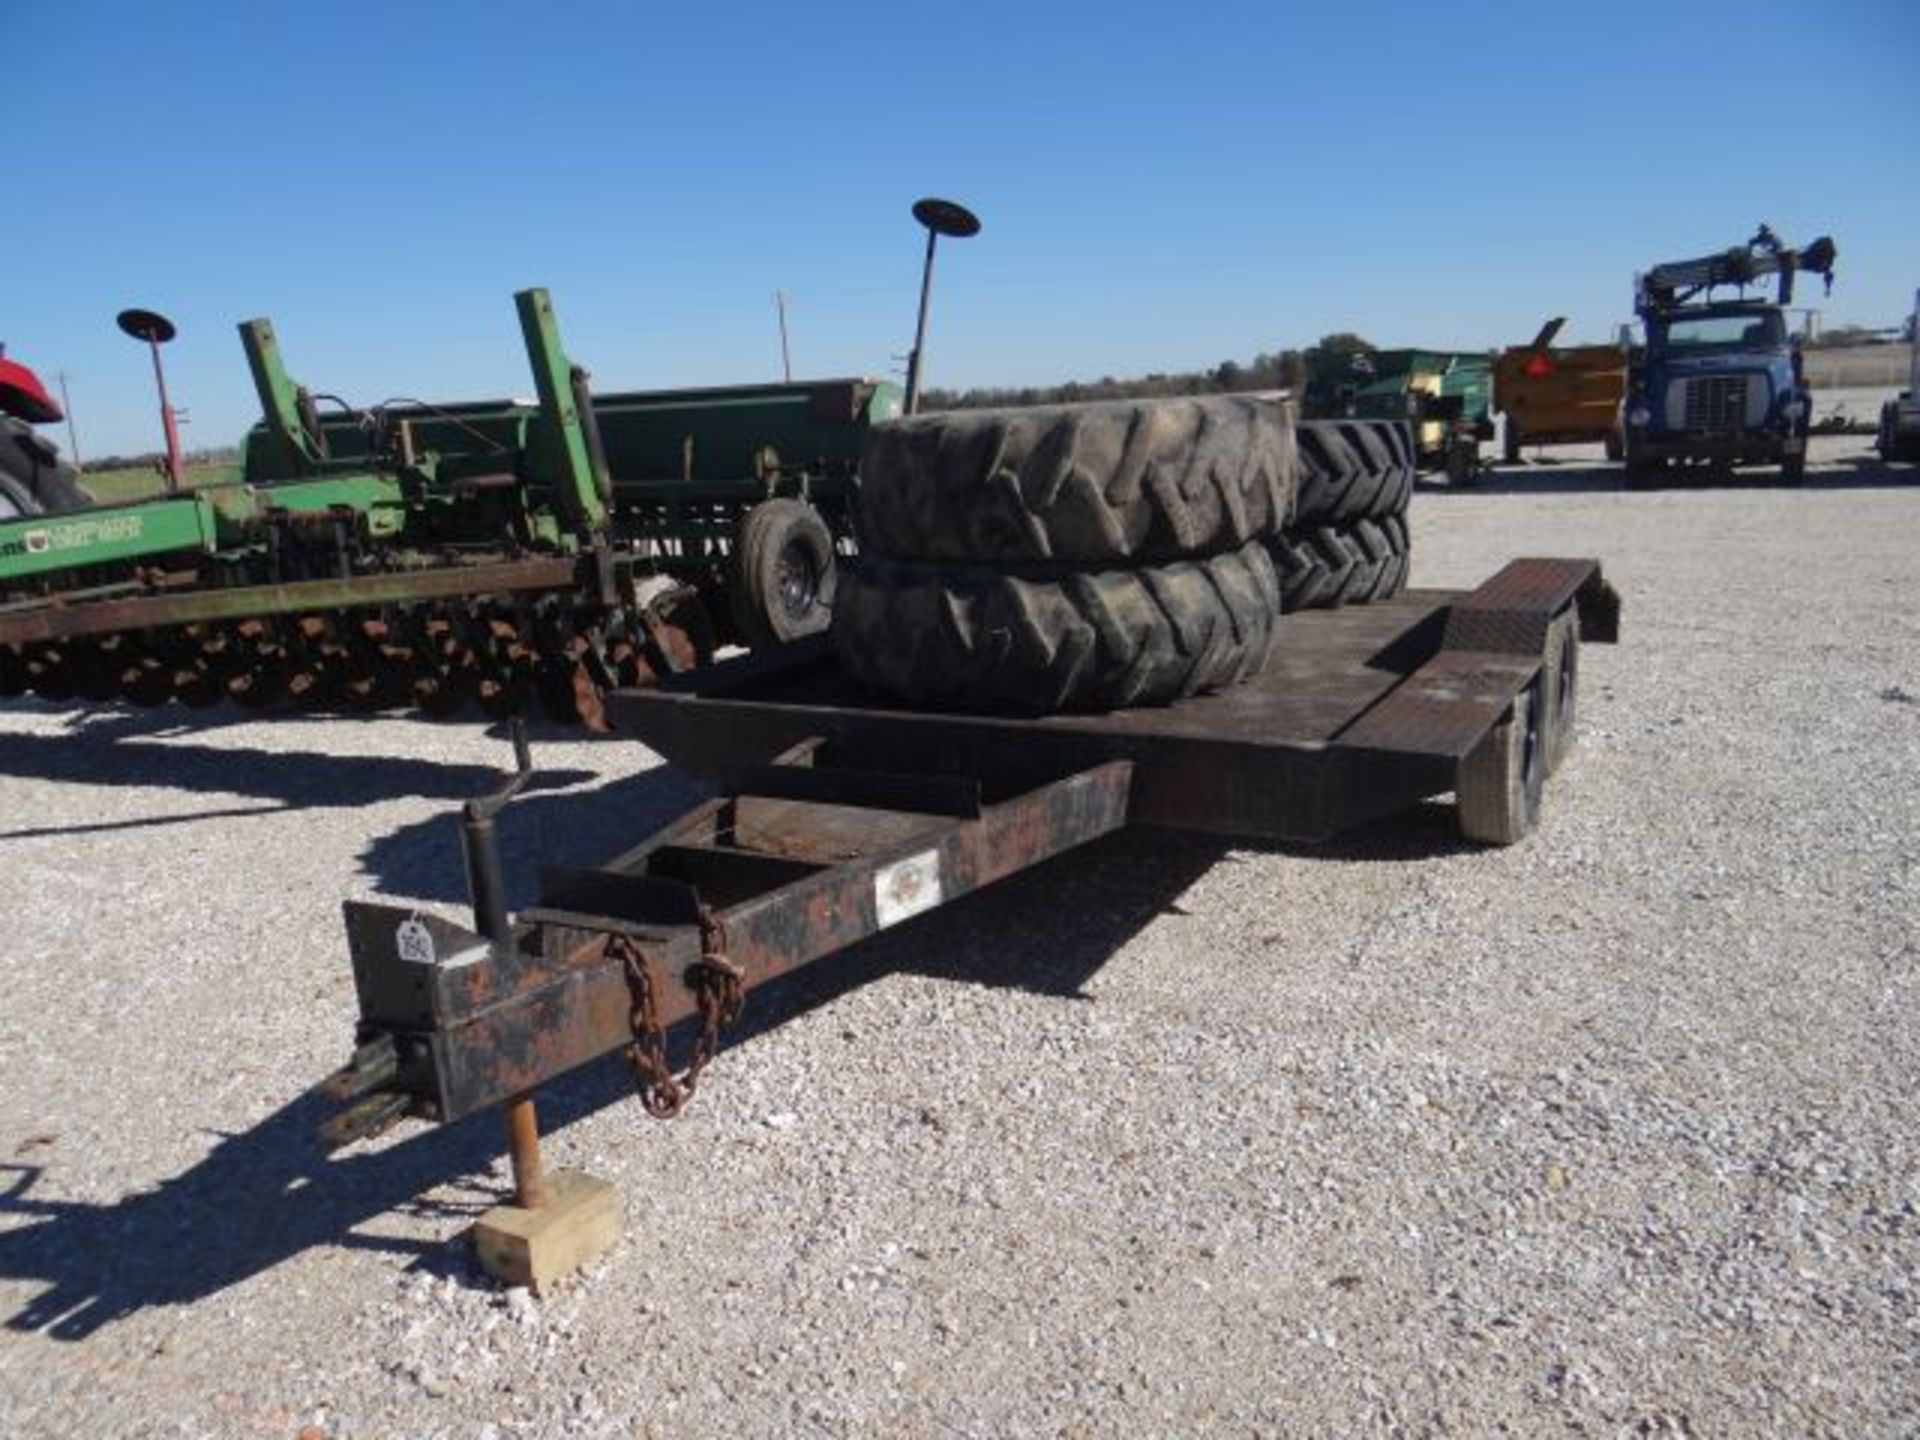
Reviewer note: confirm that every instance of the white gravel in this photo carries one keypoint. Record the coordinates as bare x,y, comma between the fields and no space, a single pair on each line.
1611,1133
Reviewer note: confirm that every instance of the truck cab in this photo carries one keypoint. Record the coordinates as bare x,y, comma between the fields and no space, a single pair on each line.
1719,381
1717,384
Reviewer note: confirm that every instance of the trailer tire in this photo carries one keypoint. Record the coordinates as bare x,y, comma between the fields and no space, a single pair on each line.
34,467
1497,788
1352,470
1121,482
992,638
781,581
1560,688
1324,566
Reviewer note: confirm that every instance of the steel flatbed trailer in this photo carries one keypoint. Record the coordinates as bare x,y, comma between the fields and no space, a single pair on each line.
837,816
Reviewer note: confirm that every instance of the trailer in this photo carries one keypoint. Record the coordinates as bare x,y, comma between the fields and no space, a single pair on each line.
836,817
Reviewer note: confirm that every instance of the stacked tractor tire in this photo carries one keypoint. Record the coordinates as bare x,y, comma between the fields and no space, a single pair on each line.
1089,557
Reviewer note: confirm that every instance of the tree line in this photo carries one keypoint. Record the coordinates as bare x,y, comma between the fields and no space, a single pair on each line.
1268,370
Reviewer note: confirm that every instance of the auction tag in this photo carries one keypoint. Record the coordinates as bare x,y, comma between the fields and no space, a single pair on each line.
414,942
906,887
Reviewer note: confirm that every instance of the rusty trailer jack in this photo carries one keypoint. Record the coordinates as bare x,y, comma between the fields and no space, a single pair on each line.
836,820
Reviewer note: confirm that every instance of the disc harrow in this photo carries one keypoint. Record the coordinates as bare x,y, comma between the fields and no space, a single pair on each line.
496,654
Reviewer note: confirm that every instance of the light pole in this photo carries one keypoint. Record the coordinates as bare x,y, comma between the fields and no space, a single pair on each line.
157,330
941,217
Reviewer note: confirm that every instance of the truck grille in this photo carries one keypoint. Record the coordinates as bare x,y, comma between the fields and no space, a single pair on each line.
1717,404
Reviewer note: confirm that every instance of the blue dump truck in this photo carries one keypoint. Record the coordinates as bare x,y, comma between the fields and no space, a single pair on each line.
1718,382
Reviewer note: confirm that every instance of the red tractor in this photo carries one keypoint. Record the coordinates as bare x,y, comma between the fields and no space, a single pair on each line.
33,481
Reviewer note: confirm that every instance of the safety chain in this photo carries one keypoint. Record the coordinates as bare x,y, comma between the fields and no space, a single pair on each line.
719,990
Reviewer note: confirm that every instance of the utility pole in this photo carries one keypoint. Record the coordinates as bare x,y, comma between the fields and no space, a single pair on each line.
73,436
786,363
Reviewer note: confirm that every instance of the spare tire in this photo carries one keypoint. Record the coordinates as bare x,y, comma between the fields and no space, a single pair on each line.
1352,470
1322,566
34,466
783,572
988,638
1122,481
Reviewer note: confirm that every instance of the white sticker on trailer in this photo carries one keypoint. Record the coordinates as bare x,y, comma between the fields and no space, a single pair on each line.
906,887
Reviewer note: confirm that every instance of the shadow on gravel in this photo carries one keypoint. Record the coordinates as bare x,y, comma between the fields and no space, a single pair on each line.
298,780
1572,477
264,1196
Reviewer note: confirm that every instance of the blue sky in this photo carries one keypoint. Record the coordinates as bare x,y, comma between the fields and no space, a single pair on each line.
1162,186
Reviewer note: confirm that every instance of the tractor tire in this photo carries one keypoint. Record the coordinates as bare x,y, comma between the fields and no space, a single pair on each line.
1497,788
1330,565
1123,482
1352,470
34,467
982,638
781,580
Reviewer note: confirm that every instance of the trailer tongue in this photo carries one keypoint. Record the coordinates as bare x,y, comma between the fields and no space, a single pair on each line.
836,819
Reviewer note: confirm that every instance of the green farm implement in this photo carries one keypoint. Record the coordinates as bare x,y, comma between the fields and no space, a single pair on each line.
436,557
1444,395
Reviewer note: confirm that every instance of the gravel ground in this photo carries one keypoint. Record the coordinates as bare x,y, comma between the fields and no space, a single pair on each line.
1611,1133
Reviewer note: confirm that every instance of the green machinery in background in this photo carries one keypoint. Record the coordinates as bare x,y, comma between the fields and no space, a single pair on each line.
1446,395
436,556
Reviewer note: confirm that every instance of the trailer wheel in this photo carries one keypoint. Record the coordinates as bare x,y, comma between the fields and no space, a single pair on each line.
782,580
1124,482
1497,788
1328,565
1560,688
991,638
1351,470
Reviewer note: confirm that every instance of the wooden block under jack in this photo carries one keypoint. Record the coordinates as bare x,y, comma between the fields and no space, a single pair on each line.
580,1220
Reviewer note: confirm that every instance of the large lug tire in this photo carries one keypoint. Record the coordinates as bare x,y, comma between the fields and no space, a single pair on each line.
1116,482
1497,788
984,638
1560,688
34,467
1352,470
1328,565
782,578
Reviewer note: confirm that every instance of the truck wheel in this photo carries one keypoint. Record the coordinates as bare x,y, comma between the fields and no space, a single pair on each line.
1560,688
1497,787
1323,566
1510,442
1793,469
1115,482
986,638
1616,447
782,576
1350,469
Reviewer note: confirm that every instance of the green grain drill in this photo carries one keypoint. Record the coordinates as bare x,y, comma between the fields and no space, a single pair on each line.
436,556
